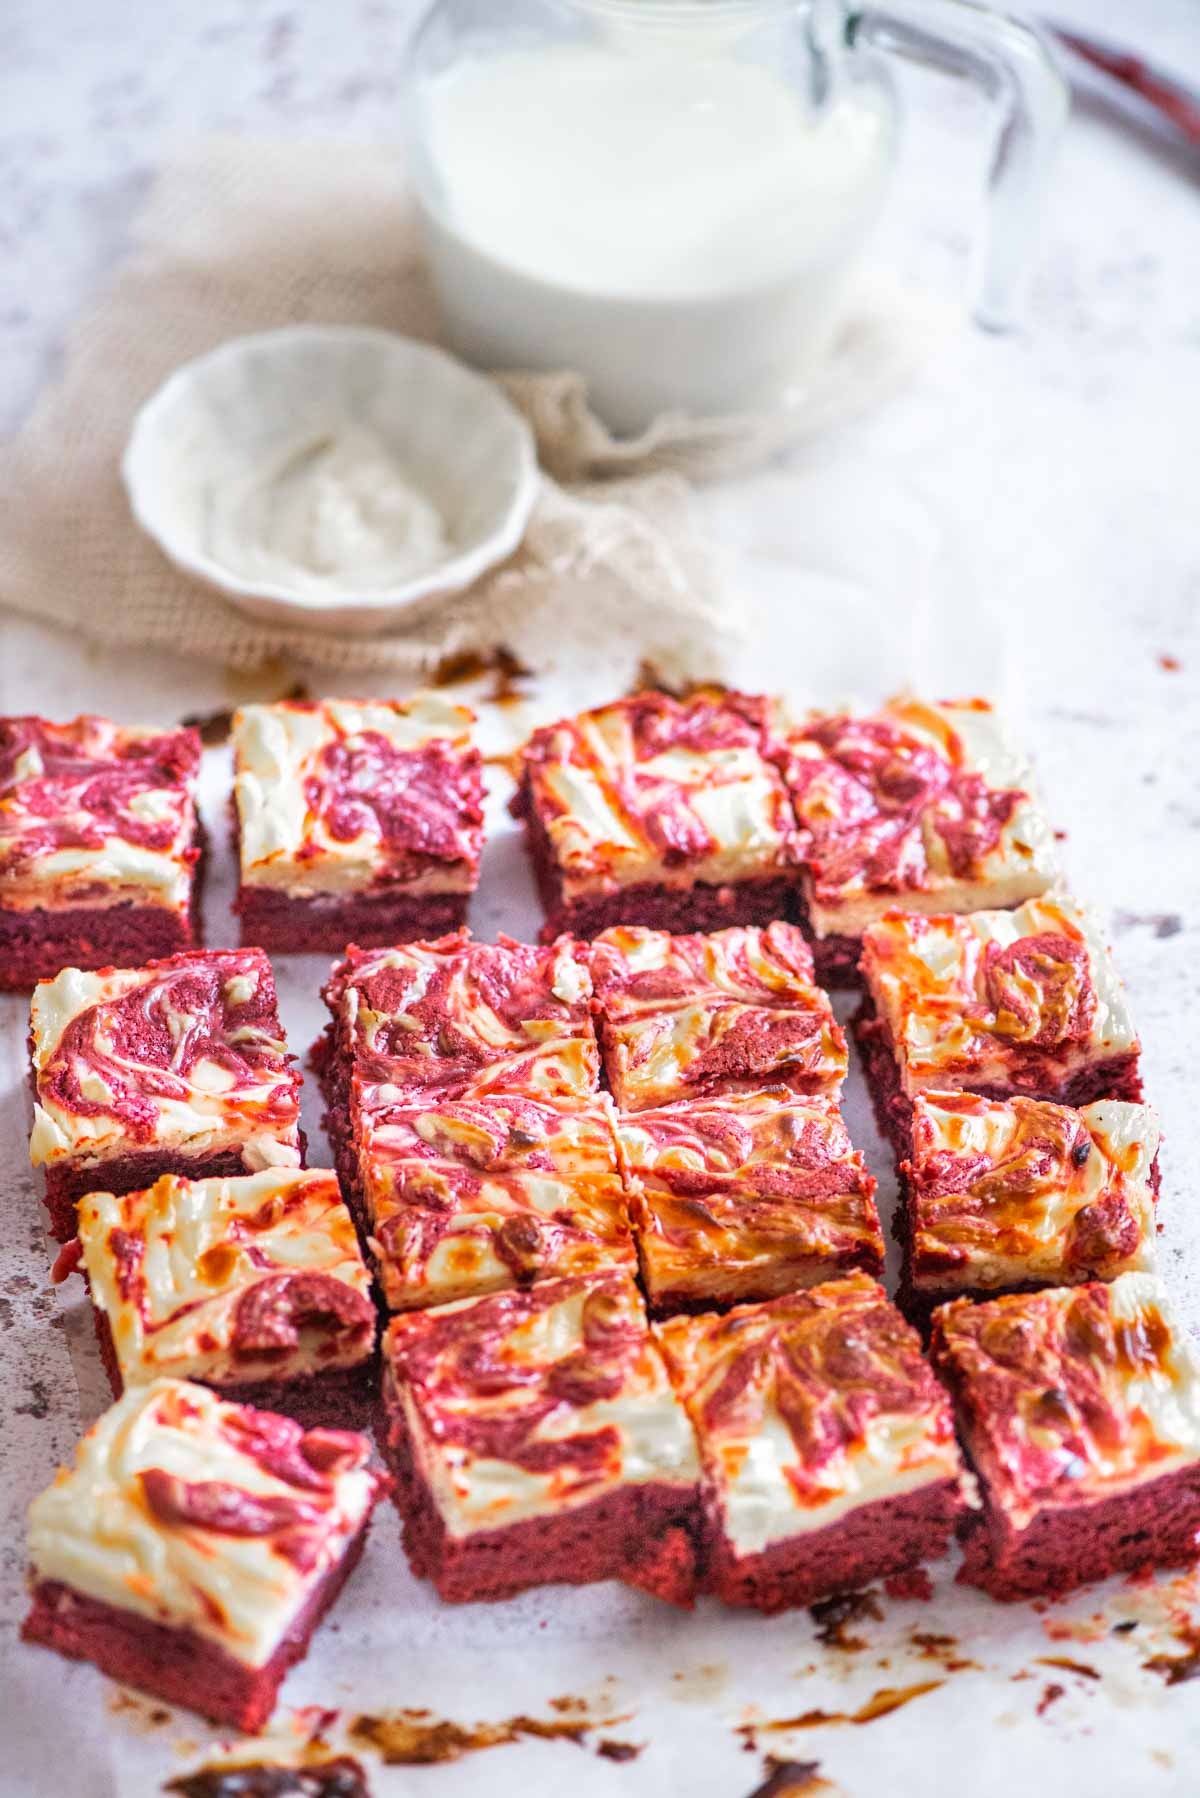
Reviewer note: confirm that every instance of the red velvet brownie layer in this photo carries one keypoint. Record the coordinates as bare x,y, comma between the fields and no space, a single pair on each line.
535,1438
36,945
917,807
1155,1525
179,1066
1080,1410
835,960
100,846
356,820
827,1444
65,1186
177,1664
316,925
660,812
889,1536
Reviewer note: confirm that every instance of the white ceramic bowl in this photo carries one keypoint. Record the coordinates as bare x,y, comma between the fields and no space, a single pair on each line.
454,435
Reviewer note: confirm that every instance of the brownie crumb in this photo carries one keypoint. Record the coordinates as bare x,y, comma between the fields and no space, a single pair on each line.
619,1751
833,1616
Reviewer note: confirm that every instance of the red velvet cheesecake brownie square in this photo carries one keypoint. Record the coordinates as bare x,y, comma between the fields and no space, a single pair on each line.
254,1285
1010,1193
994,1002
917,808
827,1444
195,1545
99,846
457,1018
535,1438
468,1196
658,811
683,1017
357,820
1079,1408
744,1197
177,1067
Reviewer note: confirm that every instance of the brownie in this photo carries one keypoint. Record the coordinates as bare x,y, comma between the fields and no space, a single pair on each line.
1004,1194
916,807
682,1017
357,820
455,1018
253,1285
535,1439
100,846
1079,1408
994,1002
179,1066
467,1196
827,1445
744,1197
657,811
195,1545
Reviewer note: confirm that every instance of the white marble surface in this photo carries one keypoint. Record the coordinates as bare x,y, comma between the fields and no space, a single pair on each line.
1033,500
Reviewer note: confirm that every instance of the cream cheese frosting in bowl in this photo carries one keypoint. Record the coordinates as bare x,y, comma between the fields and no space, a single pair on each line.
331,476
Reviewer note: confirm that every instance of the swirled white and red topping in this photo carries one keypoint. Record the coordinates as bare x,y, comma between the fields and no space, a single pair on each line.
655,789
187,1053
340,796
475,1195
229,1281
733,1011
528,1403
203,1515
969,999
809,1406
919,806
93,814
466,1018
721,1186
1006,1191
1073,1394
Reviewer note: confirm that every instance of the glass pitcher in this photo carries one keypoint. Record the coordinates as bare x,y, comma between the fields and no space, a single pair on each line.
671,196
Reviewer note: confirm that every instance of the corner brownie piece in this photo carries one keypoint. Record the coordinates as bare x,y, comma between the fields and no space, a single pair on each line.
253,1285
99,845
195,1545
469,1196
357,820
453,1017
1080,1410
916,807
1012,1193
996,1002
744,1197
177,1067
683,1017
535,1438
658,811
827,1444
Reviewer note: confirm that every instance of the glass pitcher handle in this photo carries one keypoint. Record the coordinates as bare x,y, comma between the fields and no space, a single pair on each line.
1011,63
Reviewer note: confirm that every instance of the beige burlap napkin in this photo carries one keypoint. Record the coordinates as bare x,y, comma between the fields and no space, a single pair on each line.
241,235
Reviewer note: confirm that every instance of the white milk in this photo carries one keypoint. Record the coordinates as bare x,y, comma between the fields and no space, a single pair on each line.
673,225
